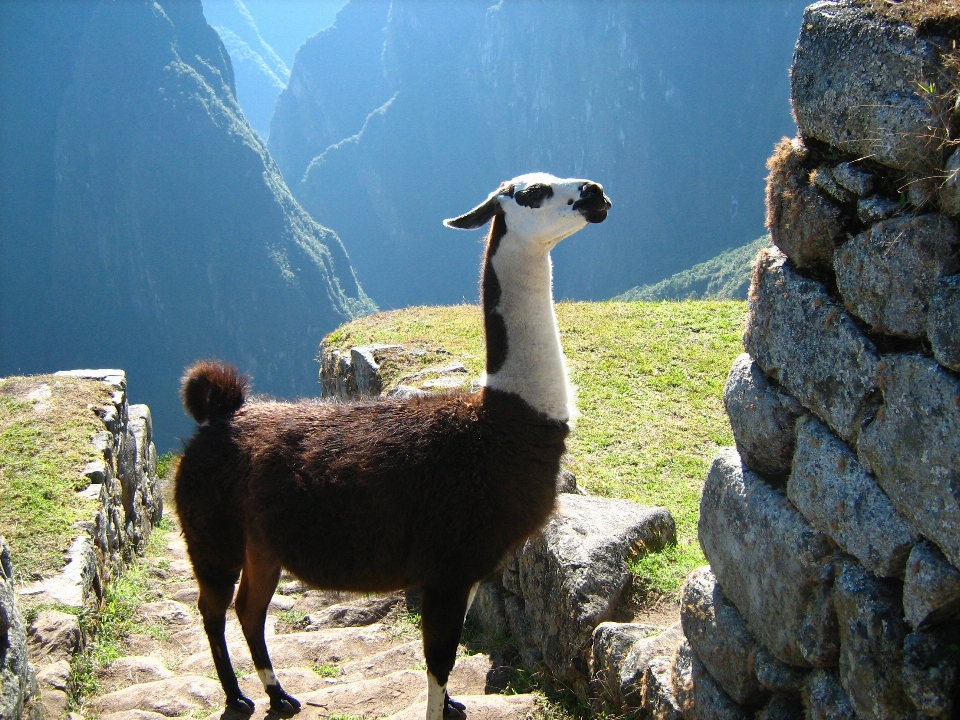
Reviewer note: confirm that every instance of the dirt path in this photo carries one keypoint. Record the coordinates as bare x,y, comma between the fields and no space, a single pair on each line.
340,656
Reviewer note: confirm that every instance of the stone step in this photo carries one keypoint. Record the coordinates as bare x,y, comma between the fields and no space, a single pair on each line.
372,670
479,707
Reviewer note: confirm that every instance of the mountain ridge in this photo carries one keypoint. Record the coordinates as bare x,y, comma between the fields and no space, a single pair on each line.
163,231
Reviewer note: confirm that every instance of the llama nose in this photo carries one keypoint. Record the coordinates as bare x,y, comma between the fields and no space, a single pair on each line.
592,196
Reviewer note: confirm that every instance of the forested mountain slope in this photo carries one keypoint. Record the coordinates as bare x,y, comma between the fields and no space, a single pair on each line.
404,113
143,224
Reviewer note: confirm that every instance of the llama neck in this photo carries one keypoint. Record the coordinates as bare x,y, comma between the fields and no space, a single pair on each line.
523,343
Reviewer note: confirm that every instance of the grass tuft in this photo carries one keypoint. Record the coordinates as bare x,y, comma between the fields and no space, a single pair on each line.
326,670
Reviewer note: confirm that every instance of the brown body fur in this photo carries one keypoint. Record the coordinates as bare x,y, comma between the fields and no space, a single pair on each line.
370,496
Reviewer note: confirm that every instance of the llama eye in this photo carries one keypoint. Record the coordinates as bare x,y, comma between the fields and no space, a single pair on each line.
534,195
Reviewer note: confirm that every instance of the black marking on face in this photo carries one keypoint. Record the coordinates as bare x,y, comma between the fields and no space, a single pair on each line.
593,204
534,195
494,325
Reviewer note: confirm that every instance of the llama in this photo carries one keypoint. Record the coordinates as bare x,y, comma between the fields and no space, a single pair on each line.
387,494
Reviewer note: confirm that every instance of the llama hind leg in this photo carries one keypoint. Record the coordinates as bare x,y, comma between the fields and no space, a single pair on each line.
442,612
257,584
215,596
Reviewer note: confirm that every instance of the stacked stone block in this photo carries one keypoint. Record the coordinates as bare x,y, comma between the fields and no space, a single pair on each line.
833,528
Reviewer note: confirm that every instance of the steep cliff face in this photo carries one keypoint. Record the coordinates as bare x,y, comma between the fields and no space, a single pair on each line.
259,71
337,81
672,106
143,221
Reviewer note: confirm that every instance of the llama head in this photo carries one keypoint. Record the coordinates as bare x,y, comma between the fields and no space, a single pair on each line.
540,208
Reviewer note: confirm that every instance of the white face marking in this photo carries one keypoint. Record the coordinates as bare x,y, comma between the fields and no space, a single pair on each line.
436,697
267,677
543,227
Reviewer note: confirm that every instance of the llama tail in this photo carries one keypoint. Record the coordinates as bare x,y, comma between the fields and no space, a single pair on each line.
212,390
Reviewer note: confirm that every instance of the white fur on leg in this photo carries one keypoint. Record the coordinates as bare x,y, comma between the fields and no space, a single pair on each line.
436,697
267,677
470,597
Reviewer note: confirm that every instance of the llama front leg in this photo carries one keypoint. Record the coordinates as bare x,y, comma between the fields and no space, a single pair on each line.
442,613
257,584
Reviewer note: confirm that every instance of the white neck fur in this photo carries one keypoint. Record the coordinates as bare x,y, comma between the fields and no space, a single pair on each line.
535,368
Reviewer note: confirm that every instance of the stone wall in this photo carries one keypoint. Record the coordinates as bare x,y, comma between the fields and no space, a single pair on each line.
124,480
19,696
833,528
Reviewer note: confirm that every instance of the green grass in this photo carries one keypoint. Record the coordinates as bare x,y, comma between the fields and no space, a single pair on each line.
650,378
115,620
326,670
165,463
291,621
44,445
404,625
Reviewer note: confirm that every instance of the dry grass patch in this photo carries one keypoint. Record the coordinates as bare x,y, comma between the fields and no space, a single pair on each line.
919,13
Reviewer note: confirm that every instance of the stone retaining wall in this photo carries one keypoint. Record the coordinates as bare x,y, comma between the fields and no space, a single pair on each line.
833,528
124,480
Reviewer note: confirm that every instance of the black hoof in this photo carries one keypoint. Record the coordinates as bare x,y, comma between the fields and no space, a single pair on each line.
453,710
283,704
241,704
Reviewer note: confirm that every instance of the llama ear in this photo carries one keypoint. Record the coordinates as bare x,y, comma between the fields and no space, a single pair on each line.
477,217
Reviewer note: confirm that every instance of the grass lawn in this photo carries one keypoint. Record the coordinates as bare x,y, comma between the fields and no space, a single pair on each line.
46,423
650,378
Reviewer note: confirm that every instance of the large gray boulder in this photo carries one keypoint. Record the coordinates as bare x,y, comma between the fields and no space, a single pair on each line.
572,576
612,642
824,697
762,417
872,631
659,702
720,637
634,674
18,682
931,588
913,447
888,274
777,676
55,635
943,322
698,695
931,666
810,345
353,372
771,563
854,86
840,498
